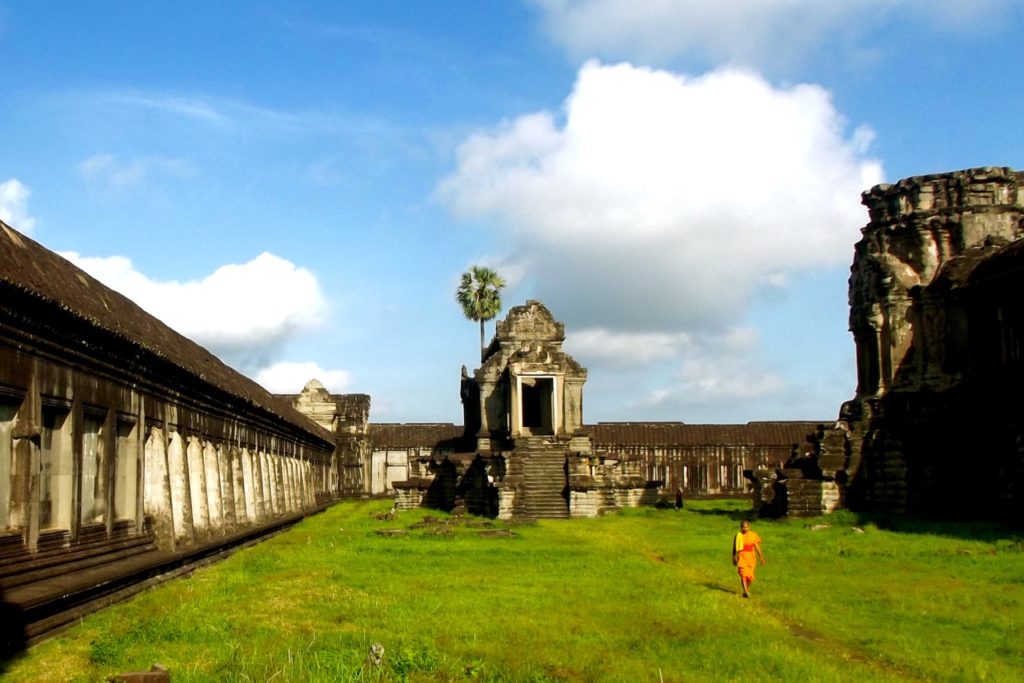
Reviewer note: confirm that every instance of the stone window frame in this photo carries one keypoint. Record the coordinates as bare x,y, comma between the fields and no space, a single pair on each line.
57,471
127,469
517,406
94,466
12,403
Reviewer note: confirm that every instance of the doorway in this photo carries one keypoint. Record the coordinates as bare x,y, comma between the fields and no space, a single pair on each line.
537,405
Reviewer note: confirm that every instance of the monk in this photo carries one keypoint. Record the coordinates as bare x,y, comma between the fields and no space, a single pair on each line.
746,551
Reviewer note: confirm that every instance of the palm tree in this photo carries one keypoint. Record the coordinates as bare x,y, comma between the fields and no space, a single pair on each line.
479,294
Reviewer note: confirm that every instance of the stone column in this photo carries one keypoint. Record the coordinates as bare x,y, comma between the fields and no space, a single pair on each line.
197,485
233,457
181,494
214,480
253,507
157,494
25,462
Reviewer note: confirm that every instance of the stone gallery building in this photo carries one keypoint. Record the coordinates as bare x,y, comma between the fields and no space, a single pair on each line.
128,451
698,460
124,447
524,449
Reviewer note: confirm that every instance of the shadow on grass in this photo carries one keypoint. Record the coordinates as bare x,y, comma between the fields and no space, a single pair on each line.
976,530
949,526
729,512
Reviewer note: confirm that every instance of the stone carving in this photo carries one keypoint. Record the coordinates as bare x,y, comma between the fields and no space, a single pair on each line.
935,313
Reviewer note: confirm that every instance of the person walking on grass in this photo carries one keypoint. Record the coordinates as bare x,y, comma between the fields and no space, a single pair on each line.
746,551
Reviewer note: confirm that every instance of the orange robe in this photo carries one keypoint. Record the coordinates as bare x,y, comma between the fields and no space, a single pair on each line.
747,557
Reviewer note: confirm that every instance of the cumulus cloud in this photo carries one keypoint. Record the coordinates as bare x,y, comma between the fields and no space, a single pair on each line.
655,208
626,348
243,313
290,377
709,370
748,32
659,202
718,368
14,206
110,170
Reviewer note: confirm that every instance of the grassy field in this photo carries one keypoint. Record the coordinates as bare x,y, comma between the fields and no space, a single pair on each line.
646,595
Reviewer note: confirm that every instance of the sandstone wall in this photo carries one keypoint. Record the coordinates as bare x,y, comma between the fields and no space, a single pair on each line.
935,313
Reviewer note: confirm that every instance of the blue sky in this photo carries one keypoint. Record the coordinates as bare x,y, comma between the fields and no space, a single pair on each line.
298,186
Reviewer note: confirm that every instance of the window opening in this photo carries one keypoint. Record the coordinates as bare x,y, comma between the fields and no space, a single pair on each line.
126,471
8,411
94,471
55,484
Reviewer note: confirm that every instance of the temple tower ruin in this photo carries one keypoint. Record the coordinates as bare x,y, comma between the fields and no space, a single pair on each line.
935,313
529,412
524,452
528,386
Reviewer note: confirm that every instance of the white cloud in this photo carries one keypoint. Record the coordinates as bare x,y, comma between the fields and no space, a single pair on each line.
290,378
625,348
748,32
664,203
110,170
244,313
713,370
14,206
718,370
196,109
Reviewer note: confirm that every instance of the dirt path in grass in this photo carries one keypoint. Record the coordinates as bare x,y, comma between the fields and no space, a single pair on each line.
832,646
836,647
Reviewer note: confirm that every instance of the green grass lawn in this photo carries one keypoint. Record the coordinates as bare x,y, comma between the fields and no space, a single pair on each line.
646,595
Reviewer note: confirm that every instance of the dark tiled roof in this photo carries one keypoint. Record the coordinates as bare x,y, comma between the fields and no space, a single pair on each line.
28,268
680,434
611,434
413,434
353,407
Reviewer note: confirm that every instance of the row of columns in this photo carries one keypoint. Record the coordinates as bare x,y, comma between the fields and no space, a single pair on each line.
195,488
75,471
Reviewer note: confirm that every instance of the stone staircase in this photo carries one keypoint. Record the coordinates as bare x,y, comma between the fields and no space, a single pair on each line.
545,482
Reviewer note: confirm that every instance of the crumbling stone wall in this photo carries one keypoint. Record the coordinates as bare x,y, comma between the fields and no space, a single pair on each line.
346,416
935,312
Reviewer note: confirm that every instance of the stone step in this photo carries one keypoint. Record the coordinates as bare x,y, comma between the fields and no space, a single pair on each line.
113,553
27,562
544,478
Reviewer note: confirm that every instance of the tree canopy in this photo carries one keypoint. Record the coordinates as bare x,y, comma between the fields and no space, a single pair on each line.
479,295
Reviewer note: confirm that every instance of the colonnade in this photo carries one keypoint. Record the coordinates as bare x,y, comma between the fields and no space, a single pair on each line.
196,488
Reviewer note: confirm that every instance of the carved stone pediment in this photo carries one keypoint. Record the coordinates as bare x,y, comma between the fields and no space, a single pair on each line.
531,321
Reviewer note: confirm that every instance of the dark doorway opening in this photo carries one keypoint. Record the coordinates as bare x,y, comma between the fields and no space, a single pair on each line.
536,404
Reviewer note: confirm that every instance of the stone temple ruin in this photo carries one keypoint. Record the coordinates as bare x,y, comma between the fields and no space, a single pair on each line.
524,451
936,313
128,452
